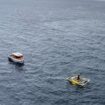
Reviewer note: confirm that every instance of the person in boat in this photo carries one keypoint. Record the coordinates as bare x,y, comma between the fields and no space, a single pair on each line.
78,78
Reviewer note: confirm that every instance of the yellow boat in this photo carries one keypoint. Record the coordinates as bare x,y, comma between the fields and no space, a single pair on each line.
82,82
75,82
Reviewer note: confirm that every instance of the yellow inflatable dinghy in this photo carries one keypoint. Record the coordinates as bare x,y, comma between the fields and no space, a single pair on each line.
82,82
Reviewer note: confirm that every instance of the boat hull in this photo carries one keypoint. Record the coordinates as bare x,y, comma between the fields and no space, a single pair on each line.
16,61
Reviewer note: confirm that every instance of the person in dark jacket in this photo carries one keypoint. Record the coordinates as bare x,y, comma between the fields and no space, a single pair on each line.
78,78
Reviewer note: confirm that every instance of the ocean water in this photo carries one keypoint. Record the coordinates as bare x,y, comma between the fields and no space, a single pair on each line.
59,38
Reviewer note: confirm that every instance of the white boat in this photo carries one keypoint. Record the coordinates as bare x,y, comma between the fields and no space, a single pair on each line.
82,82
16,58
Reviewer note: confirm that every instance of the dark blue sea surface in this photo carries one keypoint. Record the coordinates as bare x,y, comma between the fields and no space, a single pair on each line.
59,38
